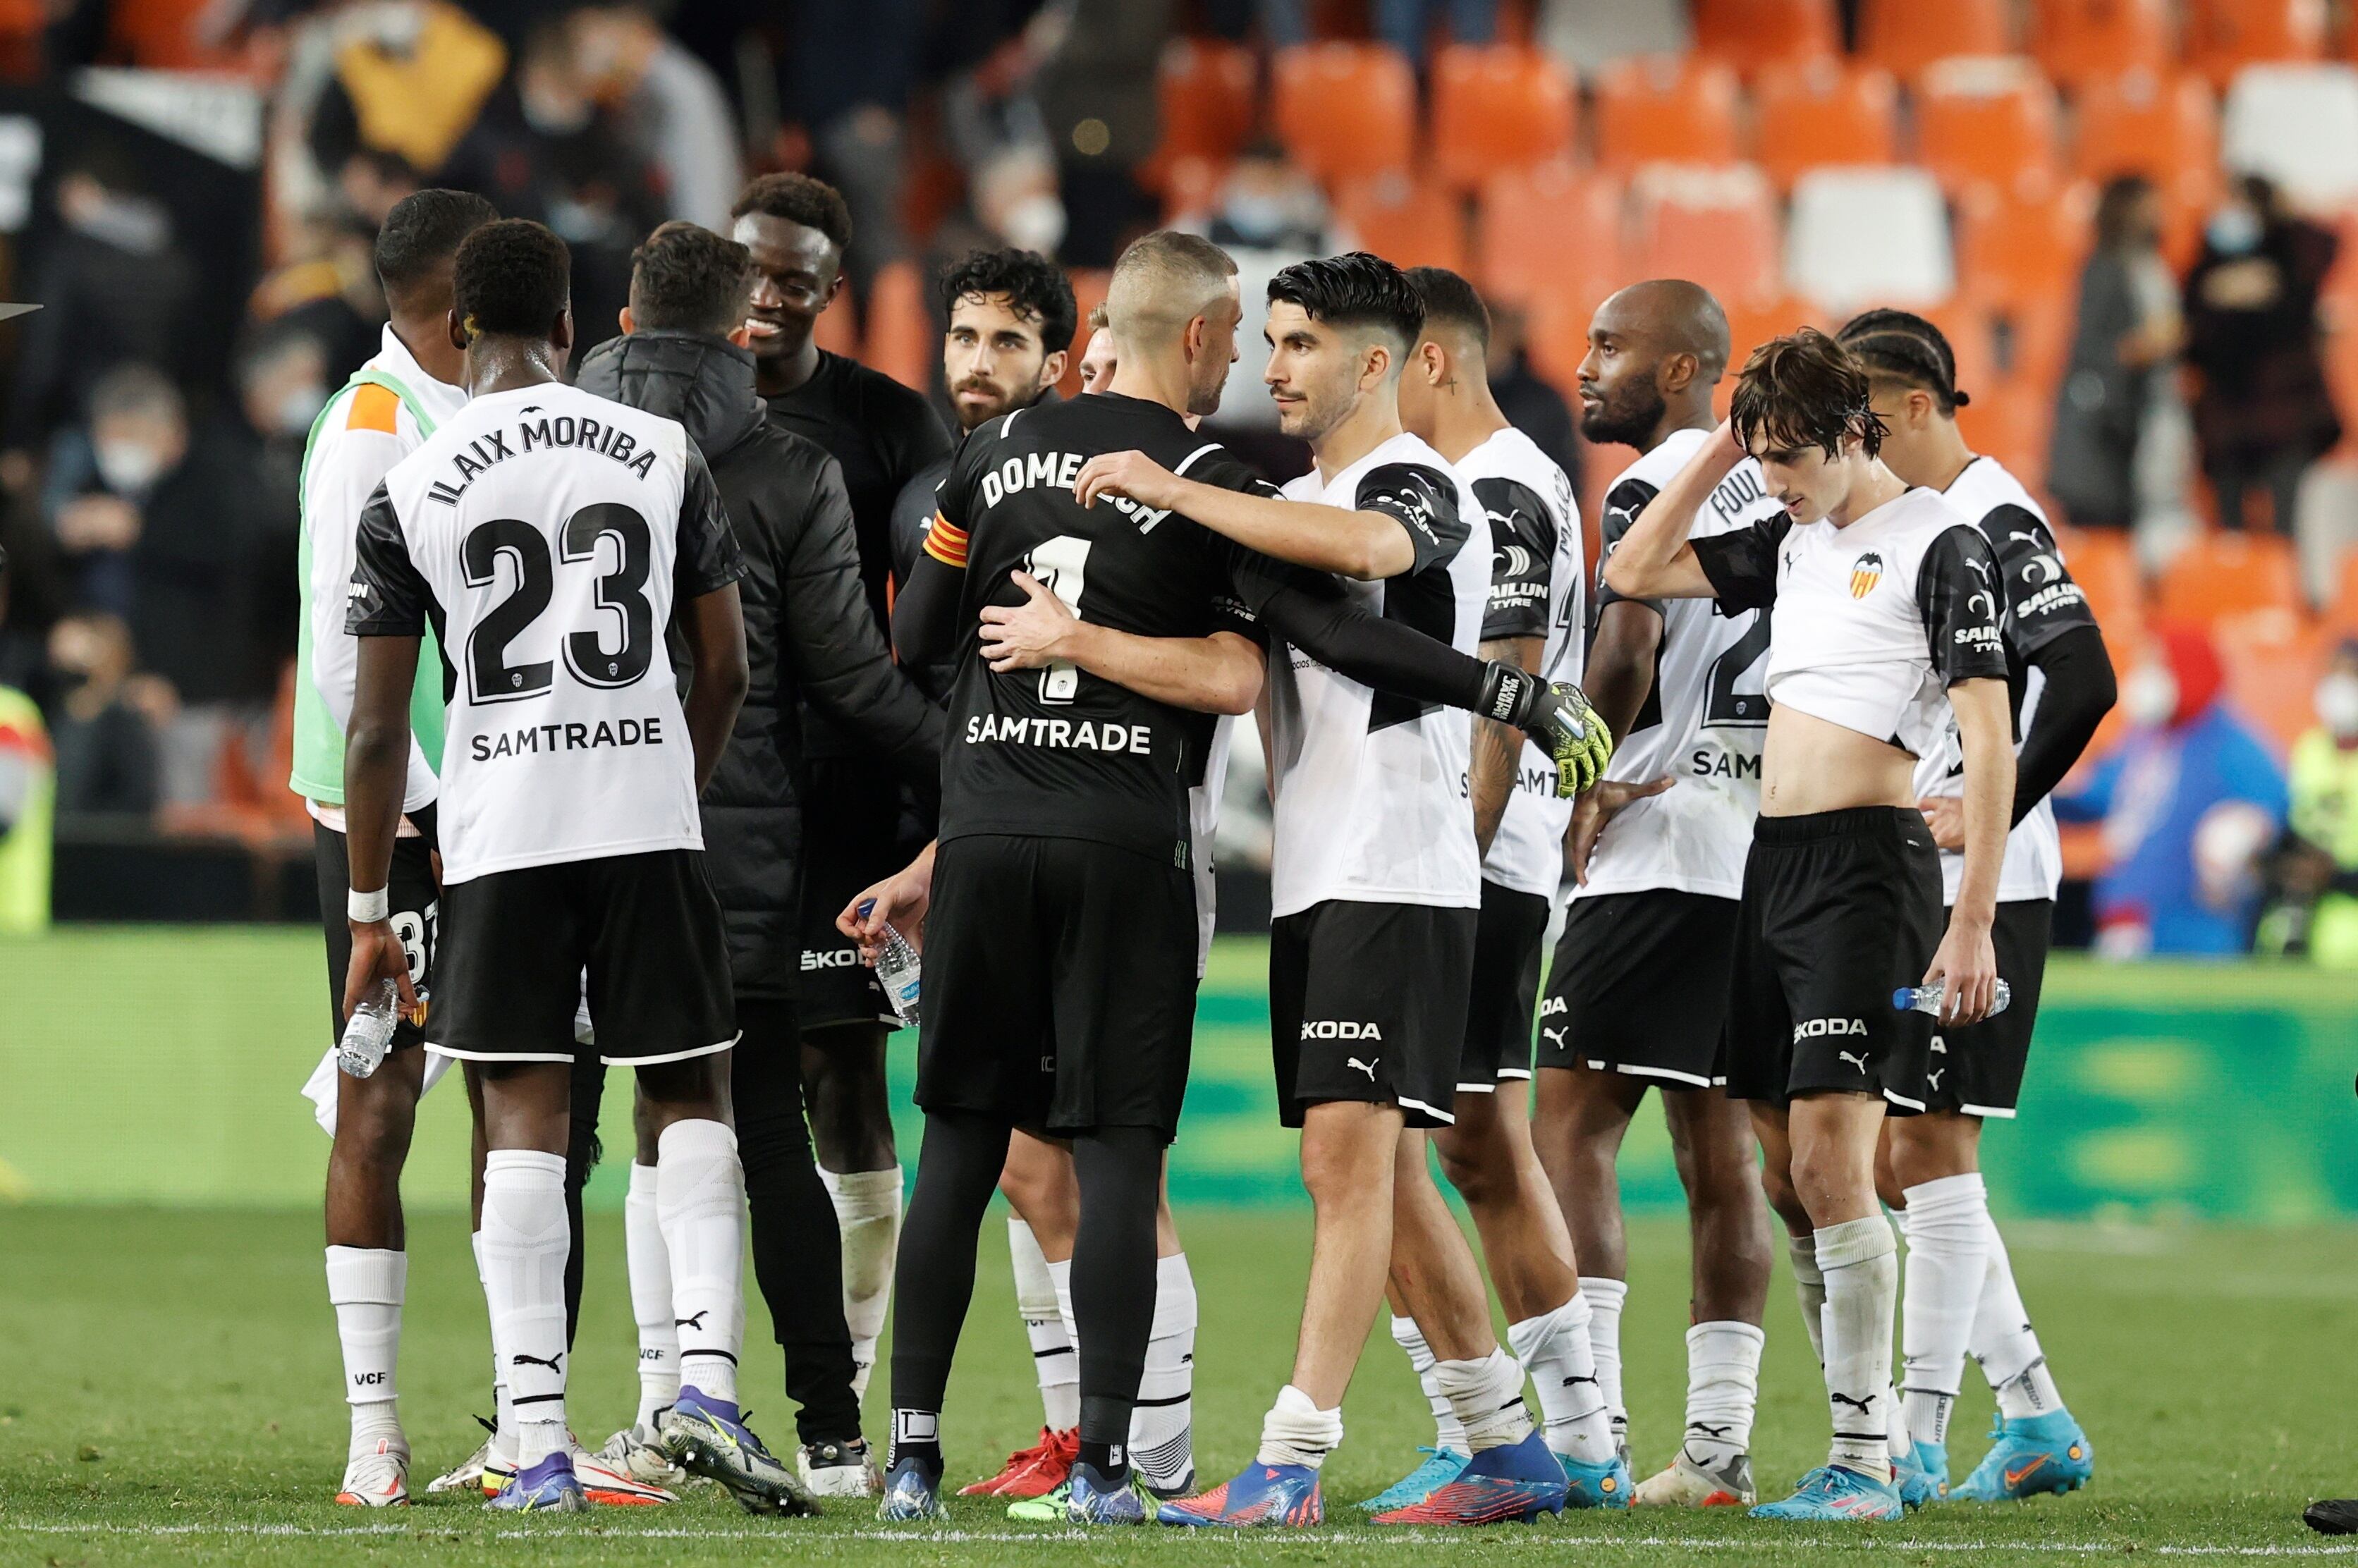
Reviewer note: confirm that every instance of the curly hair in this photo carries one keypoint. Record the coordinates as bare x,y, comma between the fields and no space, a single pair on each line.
1355,289
688,279
1899,345
1804,391
1035,288
798,199
513,279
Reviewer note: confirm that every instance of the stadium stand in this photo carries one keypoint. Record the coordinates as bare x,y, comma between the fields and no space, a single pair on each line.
1820,111
1868,236
2298,125
1497,108
1908,36
1984,119
2084,45
1762,34
1344,109
2221,37
1658,110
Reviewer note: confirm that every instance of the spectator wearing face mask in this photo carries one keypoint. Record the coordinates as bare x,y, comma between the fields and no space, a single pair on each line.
2319,864
2188,801
2263,414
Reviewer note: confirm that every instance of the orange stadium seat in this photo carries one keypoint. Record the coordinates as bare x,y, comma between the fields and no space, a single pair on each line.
2083,43
1753,35
1190,187
1716,227
2021,239
2164,127
2223,574
1905,37
1497,107
1819,113
2272,658
1206,91
2224,36
2009,421
902,338
1658,109
1984,119
1408,220
1752,321
1554,231
1344,109
2103,562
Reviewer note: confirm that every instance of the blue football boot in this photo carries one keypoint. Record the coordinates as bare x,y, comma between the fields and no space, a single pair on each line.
1261,1495
1922,1476
1094,1499
1831,1492
911,1496
2030,1455
1440,1466
1601,1485
709,1437
1515,1481
549,1487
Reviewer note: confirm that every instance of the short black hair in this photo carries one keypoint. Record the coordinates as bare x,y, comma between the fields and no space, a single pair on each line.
1355,289
1450,299
1899,345
423,230
798,199
1036,289
513,279
686,278
1803,391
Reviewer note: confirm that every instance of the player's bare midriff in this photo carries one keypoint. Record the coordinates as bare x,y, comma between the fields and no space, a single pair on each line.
1810,764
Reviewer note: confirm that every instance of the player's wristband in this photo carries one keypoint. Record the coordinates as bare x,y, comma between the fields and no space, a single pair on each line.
1508,693
367,908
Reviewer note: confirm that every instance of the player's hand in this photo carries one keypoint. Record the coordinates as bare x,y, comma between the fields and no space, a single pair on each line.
377,955
899,900
1133,474
1030,635
1966,965
1598,806
1556,715
1945,815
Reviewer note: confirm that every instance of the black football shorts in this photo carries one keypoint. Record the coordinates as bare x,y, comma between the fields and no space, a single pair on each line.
1510,939
1978,1069
413,902
1640,986
1367,1002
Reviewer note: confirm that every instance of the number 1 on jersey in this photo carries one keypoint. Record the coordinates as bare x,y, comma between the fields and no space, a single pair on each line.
1061,566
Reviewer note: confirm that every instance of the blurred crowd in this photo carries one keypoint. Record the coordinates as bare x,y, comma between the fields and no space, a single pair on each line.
158,405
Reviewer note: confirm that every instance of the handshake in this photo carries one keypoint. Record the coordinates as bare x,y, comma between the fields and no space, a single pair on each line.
1556,714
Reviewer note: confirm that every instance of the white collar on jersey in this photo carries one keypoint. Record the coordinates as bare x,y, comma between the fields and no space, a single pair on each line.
440,397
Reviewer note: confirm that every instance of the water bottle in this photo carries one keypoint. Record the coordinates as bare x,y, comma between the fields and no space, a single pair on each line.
368,1034
898,970
1927,999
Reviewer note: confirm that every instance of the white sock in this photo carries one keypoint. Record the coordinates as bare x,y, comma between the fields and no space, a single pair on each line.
1860,1263
365,1286
1556,1349
1723,1390
525,1244
502,1444
1488,1396
1447,1435
1296,1432
1053,1360
1605,1298
700,1202
1948,1261
2004,1344
868,1212
650,1267
1163,1424
1810,1284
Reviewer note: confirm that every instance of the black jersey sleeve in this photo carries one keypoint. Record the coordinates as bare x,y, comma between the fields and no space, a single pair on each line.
709,556
1742,564
2042,602
1522,559
1423,502
1622,504
1958,593
389,598
912,518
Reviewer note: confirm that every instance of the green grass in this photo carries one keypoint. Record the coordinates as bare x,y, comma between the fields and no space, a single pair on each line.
169,1387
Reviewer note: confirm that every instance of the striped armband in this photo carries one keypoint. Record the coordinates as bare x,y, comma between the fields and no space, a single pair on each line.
947,543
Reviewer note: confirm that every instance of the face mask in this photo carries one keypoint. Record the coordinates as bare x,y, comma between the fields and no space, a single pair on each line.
1260,218
2149,696
1036,223
127,467
298,409
2232,231
2337,703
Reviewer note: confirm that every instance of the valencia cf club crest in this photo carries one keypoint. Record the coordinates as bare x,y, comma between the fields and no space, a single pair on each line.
1864,573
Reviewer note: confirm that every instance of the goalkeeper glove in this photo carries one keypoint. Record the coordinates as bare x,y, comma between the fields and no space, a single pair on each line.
1554,714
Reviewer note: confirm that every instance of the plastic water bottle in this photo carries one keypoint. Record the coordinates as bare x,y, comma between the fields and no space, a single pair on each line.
368,1034
1927,999
898,970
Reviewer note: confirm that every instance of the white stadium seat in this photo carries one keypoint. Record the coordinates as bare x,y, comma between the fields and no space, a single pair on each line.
1857,237
2298,125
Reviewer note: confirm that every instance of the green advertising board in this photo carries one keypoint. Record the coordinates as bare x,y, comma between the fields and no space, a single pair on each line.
162,1066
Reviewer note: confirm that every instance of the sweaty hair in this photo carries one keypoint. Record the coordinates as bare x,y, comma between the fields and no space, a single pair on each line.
513,279
423,230
688,279
798,199
1804,391
1450,299
1355,289
1161,282
1896,345
1035,288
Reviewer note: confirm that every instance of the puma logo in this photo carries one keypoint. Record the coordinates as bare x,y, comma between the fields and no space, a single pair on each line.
696,1323
1709,1431
1855,1060
1569,1382
1555,1037
1862,1406
1933,1078
1368,1066
520,1359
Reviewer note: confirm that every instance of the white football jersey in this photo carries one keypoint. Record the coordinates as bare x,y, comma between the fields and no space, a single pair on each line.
1875,620
548,535
1203,827
2043,603
1368,789
1536,590
1704,716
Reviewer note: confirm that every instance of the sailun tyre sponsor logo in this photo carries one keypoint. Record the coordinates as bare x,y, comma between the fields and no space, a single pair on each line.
1864,573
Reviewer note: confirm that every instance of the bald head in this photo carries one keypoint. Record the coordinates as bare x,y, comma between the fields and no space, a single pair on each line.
1671,316
1655,351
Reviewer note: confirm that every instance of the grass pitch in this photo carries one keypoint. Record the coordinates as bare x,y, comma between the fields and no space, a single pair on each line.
168,1389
